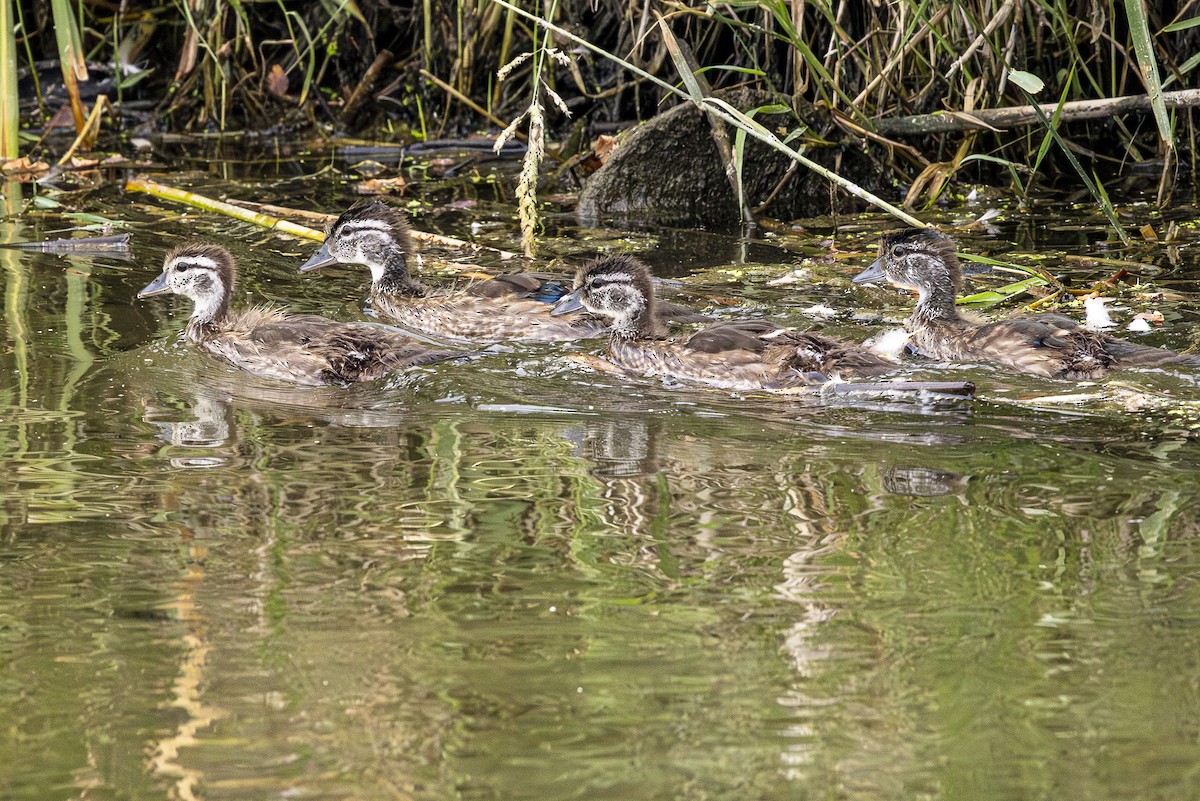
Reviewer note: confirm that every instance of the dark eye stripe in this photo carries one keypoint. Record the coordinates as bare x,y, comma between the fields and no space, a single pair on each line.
196,263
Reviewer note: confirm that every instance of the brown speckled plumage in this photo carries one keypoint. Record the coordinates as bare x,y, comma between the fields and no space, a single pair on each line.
746,355
1051,345
513,307
301,348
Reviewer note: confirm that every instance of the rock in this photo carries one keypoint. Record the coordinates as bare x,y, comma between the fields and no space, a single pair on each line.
668,171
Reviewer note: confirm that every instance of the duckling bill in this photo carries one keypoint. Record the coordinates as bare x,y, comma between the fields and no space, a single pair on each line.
514,307
745,355
1051,345
301,348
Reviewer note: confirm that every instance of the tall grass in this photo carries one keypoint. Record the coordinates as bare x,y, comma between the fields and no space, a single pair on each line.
10,114
222,64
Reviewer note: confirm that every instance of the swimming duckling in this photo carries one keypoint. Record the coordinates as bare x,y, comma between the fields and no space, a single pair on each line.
1050,345
513,307
303,348
746,355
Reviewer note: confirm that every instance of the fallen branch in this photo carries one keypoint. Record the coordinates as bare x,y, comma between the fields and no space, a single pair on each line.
269,221
1018,116
365,91
228,209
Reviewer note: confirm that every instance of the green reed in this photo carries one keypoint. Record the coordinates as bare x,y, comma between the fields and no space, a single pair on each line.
10,114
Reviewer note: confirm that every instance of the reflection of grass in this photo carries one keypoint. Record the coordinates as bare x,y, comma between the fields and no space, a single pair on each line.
16,301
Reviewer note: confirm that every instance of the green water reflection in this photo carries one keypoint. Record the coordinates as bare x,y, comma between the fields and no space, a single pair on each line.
511,579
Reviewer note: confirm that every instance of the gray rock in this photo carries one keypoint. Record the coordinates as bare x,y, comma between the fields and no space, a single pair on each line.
668,171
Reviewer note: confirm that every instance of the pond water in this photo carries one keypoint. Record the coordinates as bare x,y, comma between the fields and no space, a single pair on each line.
514,578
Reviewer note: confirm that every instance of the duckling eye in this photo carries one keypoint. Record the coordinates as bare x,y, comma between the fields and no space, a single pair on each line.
598,282
181,267
898,251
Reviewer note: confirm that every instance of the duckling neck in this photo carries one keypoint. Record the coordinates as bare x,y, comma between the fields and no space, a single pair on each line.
638,324
208,315
393,278
935,306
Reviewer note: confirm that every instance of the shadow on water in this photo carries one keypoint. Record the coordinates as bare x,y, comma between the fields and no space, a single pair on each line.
513,578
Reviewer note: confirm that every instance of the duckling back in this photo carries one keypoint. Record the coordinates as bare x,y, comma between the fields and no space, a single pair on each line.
313,350
1056,346
750,355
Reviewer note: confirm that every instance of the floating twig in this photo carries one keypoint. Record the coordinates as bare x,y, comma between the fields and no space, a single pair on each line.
283,211
83,245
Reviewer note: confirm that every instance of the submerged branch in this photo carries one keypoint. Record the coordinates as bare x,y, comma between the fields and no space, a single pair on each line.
1018,116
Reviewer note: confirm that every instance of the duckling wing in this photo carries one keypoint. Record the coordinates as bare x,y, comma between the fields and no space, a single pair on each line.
807,353
308,349
362,352
1047,344
668,312
744,335
542,287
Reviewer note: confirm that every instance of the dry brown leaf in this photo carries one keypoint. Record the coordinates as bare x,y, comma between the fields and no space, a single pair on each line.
63,118
602,145
277,81
23,166
1148,233
381,186
77,163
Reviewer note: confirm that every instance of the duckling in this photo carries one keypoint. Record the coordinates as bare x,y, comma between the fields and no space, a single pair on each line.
1051,345
745,355
513,307
265,341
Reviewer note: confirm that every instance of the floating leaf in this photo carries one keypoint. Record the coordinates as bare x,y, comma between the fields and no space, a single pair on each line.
993,296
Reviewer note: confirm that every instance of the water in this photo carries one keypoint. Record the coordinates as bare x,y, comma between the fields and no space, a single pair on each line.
517,579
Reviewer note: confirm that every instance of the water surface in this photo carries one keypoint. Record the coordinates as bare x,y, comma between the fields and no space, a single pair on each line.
517,579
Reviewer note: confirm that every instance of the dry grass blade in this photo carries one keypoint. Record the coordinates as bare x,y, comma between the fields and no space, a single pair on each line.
70,56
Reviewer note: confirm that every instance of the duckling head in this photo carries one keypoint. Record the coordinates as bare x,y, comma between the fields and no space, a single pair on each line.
618,287
200,271
918,259
373,234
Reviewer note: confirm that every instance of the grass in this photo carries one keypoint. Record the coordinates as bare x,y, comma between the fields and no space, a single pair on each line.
222,64
10,121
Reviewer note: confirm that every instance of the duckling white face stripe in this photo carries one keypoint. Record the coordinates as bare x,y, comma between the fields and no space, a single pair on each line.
615,277
204,262
361,225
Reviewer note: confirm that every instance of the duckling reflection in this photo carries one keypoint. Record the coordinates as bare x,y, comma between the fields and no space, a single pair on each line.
923,482
209,427
622,447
